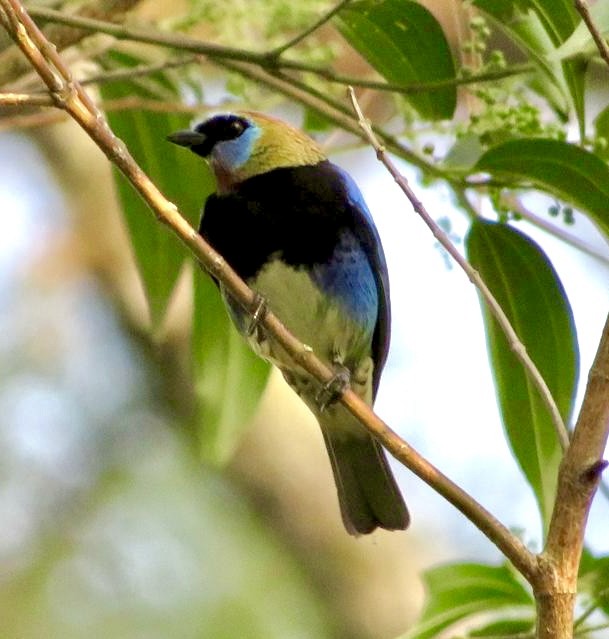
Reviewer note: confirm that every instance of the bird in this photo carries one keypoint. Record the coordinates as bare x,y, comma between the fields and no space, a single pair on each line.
295,227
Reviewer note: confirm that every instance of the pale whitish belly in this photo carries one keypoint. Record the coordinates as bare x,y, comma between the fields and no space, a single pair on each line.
316,321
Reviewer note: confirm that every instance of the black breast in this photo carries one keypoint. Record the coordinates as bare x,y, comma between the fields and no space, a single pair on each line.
296,212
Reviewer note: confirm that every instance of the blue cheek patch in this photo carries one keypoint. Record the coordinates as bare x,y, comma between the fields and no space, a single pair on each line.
235,153
348,279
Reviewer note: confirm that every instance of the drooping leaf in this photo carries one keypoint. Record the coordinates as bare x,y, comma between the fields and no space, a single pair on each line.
403,41
523,281
558,16
564,170
458,591
229,377
180,176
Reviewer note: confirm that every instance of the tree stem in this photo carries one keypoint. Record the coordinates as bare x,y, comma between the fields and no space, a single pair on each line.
578,478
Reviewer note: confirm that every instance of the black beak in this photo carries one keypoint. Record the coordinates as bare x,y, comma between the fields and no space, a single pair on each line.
187,138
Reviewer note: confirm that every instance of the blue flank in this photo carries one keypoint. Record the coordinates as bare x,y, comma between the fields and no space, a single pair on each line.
348,279
379,264
235,153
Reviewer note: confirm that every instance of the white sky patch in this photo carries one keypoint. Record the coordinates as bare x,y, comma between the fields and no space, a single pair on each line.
16,229
30,205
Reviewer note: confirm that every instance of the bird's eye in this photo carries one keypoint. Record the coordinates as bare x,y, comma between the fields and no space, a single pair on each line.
236,128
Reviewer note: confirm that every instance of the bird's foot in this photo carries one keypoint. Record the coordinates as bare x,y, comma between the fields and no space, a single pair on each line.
332,390
260,307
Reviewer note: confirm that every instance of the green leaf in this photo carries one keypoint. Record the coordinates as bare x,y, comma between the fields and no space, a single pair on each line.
180,176
229,377
575,75
564,170
523,281
405,43
559,17
505,628
458,591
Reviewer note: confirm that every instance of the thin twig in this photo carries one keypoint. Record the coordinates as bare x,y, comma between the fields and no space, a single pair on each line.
264,60
71,97
516,345
12,63
518,207
601,43
25,99
138,71
136,102
150,36
307,32
128,103
424,87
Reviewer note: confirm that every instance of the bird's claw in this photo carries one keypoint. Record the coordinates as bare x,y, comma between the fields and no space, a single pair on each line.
260,308
332,390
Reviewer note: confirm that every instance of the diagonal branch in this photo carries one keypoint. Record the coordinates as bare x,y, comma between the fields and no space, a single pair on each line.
516,345
70,96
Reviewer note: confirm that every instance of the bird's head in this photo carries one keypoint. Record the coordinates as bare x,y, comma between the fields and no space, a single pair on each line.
244,144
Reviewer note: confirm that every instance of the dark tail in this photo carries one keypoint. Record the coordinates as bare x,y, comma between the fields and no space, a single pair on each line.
367,492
